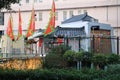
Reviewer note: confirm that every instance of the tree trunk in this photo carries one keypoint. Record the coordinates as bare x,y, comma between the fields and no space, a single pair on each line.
78,65
92,65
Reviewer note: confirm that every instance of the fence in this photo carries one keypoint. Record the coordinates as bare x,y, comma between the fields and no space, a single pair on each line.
104,44
13,55
98,44
95,43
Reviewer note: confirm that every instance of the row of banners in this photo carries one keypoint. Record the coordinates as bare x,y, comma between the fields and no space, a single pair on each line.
31,28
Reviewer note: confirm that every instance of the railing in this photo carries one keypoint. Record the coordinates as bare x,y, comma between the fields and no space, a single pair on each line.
17,55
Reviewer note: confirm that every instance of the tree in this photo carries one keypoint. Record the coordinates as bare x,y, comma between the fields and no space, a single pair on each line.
69,57
113,59
54,59
7,3
99,60
79,58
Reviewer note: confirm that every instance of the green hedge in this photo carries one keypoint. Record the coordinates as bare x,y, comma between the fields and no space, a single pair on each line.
112,73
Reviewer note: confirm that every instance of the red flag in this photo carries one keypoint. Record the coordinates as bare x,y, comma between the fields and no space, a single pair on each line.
31,28
59,40
9,28
40,42
19,26
51,24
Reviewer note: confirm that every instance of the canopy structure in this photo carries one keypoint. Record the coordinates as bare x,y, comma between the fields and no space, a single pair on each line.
36,35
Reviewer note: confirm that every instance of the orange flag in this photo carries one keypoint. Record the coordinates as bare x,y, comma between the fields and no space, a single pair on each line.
31,28
19,26
51,24
9,28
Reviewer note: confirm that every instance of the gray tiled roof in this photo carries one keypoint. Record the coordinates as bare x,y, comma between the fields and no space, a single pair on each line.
82,17
69,32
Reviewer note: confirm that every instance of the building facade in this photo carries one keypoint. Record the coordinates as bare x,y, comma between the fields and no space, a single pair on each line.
106,11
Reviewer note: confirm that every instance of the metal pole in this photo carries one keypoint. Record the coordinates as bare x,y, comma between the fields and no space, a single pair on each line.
36,48
79,43
93,43
12,49
117,45
117,15
67,41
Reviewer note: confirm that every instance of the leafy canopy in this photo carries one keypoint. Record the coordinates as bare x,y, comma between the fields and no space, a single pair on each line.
7,3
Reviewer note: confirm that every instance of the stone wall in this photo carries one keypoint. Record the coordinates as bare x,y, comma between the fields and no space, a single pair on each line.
21,63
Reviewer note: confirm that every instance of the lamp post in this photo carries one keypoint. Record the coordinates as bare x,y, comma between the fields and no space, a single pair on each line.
117,15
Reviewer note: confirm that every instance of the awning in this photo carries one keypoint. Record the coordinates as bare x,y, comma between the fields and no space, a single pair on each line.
36,35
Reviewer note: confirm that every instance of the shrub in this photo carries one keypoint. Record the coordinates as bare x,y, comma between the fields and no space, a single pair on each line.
113,72
99,59
69,55
54,59
87,56
61,49
113,59
79,56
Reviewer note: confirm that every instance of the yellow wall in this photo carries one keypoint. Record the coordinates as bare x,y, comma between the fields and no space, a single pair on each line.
21,64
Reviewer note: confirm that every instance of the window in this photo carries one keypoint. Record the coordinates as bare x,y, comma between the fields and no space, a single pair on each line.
40,0
79,12
27,1
35,18
56,15
84,11
40,16
71,13
19,1
1,18
64,15
16,50
35,1
56,0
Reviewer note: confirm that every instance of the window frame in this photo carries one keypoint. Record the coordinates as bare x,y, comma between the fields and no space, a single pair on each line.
64,15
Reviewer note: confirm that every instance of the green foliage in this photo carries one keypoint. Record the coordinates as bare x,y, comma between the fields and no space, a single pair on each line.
62,57
79,56
52,74
69,55
7,3
99,59
54,59
62,74
113,59
87,56
114,69
61,49
113,72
